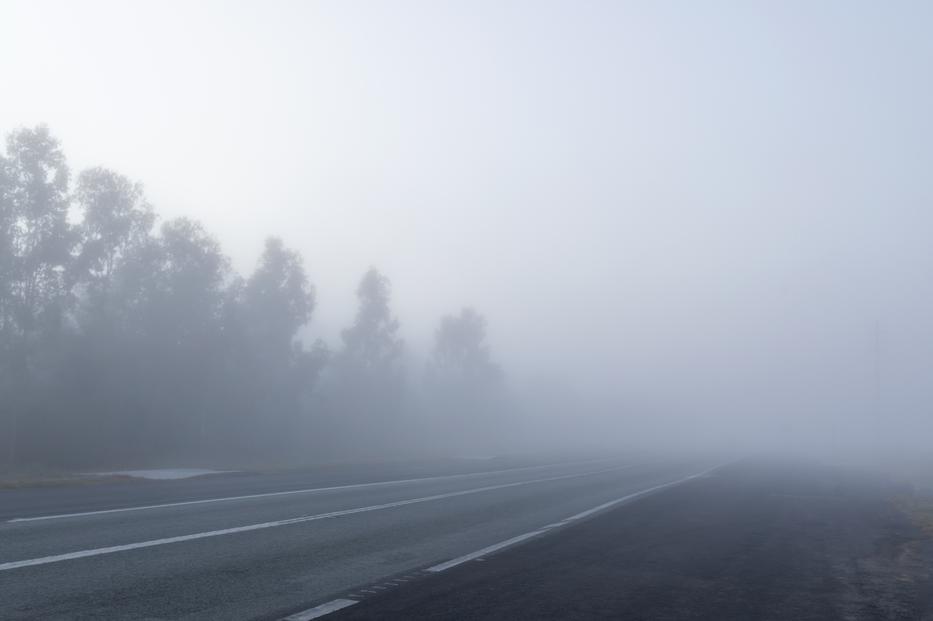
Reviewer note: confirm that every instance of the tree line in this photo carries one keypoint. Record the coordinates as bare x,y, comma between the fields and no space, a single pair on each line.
126,340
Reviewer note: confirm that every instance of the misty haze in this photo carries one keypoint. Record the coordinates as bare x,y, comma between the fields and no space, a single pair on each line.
466,310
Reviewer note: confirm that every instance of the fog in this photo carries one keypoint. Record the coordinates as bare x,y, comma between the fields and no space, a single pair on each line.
682,226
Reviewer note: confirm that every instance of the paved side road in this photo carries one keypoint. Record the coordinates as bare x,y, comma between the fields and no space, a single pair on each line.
753,541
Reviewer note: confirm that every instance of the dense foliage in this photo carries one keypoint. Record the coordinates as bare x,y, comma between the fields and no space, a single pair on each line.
126,341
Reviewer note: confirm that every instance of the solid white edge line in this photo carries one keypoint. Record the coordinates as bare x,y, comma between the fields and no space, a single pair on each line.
583,514
305,491
487,550
320,611
297,520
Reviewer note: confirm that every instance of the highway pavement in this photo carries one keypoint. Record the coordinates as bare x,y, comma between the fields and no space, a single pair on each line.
266,546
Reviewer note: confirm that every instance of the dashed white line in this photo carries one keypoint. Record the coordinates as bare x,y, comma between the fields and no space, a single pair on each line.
320,611
57,558
312,490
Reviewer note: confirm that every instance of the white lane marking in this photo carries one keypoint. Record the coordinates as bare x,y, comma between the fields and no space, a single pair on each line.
509,542
298,520
320,611
487,550
307,491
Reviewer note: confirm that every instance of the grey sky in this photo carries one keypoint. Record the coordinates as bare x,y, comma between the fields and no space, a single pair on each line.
697,206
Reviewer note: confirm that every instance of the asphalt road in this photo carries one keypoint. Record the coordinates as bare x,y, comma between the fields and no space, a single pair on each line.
283,544
752,541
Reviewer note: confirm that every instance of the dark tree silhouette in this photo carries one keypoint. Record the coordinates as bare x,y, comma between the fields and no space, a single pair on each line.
464,386
461,356
123,344
372,342
39,243
367,388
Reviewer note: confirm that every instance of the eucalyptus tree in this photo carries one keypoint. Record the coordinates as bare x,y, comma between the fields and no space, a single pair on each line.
277,302
465,389
367,390
372,348
115,220
461,357
35,256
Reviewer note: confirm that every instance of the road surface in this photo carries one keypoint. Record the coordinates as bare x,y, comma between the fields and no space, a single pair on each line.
268,546
755,540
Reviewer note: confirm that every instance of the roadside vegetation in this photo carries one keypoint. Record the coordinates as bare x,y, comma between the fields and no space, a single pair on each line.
126,339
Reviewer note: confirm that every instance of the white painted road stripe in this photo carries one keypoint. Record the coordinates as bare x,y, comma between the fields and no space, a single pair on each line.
320,611
487,550
509,542
298,520
306,491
